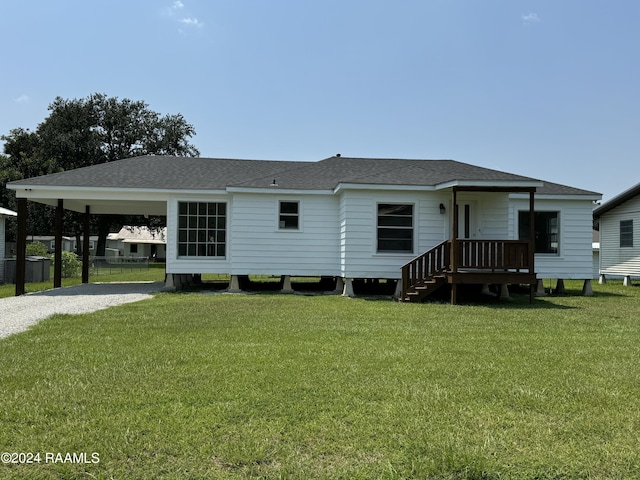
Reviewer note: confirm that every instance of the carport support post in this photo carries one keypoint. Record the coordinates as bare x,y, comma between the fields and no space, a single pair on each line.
21,246
57,252
85,245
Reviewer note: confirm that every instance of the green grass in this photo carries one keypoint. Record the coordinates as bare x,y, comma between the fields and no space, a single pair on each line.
155,273
286,386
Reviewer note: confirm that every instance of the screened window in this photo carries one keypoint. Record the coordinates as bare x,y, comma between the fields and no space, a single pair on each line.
626,233
289,218
202,229
547,230
395,228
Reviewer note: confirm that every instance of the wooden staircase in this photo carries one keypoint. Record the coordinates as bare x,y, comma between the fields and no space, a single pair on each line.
467,261
425,274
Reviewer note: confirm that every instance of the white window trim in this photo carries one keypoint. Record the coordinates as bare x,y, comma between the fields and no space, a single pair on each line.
277,219
216,258
392,253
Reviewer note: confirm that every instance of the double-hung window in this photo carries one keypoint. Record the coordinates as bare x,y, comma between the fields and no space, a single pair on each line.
547,230
395,227
289,216
626,233
202,229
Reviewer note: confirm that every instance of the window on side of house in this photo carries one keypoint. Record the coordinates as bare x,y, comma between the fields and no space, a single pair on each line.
133,248
547,230
289,216
395,227
626,233
202,229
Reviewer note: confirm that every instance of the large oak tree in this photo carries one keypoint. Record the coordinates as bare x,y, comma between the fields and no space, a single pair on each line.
88,131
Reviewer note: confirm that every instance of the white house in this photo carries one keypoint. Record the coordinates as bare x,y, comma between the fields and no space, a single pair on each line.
419,221
4,214
135,241
619,221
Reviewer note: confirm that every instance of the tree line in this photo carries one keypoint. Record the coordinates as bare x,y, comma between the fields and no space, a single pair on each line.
83,132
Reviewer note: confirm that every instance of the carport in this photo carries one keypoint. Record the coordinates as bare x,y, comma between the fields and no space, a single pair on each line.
98,190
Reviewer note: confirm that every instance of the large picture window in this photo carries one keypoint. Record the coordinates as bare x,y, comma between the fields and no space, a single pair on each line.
202,229
626,233
547,230
395,227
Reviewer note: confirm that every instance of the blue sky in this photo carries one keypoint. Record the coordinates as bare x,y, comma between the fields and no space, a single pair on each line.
548,89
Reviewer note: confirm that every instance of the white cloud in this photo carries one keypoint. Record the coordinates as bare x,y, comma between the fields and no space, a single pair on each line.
169,11
531,17
22,99
192,22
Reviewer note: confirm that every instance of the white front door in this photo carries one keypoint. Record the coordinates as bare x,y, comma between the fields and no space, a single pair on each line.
466,219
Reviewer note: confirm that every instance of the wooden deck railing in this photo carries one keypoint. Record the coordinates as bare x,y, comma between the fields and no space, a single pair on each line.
421,268
492,255
466,255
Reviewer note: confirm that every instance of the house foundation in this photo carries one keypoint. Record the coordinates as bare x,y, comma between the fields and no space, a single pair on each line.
540,291
348,288
286,284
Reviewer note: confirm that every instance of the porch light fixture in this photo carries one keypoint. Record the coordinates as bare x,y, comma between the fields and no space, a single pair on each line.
442,209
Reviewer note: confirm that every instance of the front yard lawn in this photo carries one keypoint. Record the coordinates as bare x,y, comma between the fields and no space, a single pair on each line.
191,385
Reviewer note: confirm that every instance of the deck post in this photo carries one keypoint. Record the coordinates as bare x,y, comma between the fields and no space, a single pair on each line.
454,234
85,244
57,253
21,246
532,231
454,294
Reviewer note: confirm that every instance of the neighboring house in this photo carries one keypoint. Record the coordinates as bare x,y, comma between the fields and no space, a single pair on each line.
49,242
69,244
424,222
4,214
132,241
619,221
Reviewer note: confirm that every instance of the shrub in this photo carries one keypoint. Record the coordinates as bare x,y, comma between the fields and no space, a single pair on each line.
71,266
37,249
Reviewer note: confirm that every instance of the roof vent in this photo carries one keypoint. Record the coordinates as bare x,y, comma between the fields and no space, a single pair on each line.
338,155
274,183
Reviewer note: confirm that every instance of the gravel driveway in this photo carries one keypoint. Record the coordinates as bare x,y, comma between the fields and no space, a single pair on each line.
19,313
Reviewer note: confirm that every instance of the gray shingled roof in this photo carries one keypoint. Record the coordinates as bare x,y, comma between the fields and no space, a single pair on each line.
617,200
188,173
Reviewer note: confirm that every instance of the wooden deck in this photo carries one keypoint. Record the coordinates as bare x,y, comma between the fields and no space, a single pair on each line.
468,262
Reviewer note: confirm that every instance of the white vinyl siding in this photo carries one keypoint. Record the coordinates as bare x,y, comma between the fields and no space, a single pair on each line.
259,246
616,260
575,257
359,255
